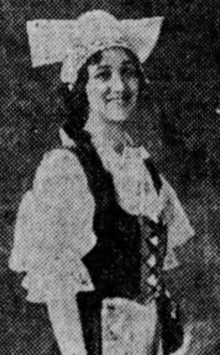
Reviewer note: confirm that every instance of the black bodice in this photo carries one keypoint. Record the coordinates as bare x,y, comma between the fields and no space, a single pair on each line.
118,264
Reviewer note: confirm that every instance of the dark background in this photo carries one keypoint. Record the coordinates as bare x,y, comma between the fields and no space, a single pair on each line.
182,133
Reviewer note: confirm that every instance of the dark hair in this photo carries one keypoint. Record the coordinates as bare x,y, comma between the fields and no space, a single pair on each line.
76,101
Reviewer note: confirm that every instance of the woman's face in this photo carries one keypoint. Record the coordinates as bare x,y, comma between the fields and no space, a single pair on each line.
113,86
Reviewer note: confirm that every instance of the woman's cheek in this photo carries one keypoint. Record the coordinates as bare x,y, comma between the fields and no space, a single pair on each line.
97,96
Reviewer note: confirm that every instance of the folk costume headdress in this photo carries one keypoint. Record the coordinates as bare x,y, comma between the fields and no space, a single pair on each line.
72,42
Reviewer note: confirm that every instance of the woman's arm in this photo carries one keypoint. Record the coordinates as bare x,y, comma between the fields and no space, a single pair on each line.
53,232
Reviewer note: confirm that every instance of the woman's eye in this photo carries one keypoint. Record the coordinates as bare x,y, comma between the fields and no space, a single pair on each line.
104,75
129,72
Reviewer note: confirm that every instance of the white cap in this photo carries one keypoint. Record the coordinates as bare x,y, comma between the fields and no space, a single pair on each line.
74,41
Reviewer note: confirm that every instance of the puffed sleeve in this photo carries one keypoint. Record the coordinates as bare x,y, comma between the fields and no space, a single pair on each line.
53,229
178,225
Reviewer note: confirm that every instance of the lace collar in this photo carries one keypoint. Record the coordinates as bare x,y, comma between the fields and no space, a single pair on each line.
133,182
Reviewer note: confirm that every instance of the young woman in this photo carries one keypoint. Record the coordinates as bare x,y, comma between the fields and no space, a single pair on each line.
100,223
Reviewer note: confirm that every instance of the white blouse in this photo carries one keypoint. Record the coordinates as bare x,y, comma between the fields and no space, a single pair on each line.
54,226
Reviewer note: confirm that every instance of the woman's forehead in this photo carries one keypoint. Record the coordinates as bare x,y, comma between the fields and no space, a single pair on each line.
114,57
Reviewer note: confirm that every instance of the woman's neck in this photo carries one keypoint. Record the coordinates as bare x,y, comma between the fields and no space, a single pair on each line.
108,133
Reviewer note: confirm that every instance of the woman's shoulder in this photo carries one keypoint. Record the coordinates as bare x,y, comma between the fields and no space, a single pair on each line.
61,158
59,161
59,167
58,157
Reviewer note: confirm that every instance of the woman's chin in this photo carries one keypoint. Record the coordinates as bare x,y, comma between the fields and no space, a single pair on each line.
117,116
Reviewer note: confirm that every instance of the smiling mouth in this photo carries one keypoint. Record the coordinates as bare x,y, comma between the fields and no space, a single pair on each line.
121,100
118,102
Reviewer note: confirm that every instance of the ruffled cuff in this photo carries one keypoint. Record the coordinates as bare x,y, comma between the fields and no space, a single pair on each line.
51,279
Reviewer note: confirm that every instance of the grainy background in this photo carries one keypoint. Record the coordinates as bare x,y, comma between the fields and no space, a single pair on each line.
182,134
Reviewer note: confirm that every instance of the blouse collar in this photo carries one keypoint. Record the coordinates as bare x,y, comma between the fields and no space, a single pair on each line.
100,143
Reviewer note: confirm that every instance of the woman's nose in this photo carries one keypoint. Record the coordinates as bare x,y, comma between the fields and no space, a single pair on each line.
117,83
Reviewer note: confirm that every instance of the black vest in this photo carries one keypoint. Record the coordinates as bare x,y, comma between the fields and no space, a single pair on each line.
118,262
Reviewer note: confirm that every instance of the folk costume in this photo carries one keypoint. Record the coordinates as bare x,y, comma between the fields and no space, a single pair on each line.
98,226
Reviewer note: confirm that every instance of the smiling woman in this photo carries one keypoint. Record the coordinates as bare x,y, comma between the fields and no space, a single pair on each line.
100,224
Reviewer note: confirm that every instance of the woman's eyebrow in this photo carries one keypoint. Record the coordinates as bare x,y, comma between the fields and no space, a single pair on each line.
108,66
103,66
